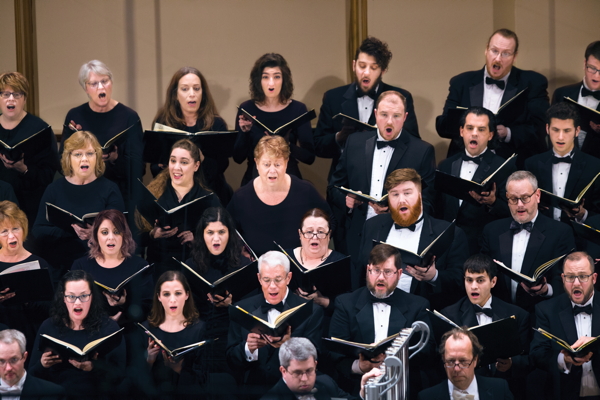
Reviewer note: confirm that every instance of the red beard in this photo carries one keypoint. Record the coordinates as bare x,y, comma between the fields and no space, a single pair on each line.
411,218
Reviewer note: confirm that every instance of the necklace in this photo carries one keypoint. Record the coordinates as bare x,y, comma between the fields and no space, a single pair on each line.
302,258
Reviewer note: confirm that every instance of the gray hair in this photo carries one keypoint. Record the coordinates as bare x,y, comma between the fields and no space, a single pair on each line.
296,348
9,336
95,66
273,259
521,176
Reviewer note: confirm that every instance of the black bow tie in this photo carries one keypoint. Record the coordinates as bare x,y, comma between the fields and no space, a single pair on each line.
371,93
384,143
486,311
517,227
578,309
376,300
410,227
476,160
267,306
498,82
586,92
567,159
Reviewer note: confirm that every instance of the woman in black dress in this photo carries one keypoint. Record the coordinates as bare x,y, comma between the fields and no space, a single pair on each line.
189,106
77,317
31,171
83,190
271,90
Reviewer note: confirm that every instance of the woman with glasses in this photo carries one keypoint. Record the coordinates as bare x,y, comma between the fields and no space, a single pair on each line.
82,190
77,317
31,170
271,207
105,117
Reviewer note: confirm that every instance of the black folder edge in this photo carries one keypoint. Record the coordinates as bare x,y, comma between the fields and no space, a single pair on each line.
32,285
351,350
581,353
65,353
253,325
586,232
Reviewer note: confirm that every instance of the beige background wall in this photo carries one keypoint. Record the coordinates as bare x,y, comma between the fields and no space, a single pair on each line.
145,41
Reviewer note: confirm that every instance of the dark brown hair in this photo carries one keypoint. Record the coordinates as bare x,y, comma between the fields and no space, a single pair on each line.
120,223
457,334
157,314
402,175
380,254
507,34
377,49
271,60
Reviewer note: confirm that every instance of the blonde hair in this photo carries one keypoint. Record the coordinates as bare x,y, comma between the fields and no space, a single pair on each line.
273,146
12,214
80,140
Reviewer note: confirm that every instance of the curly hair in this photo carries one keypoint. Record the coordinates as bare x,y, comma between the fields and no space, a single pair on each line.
170,113
272,146
80,140
271,60
233,249
118,220
377,49
157,314
59,313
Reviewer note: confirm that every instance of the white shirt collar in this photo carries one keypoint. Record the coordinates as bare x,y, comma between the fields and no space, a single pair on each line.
487,75
17,387
568,155
476,155
586,86
380,138
590,301
472,389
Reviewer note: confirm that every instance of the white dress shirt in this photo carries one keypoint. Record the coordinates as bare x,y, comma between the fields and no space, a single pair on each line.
381,161
472,390
587,101
18,388
407,240
483,319
589,385
468,168
365,108
519,247
560,174
492,97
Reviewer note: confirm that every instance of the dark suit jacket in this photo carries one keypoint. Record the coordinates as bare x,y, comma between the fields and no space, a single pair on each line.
583,169
591,144
527,129
470,217
556,317
265,371
39,389
355,169
548,239
489,389
462,313
326,390
344,100
449,286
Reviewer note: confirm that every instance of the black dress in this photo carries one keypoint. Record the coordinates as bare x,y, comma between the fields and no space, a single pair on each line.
57,246
247,141
100,381
41,165
261,224
128,167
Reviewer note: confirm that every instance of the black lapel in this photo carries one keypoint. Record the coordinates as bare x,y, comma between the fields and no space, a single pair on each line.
427,236
506,242
476,91
468,316
364,317
397,319
484,168
511,85
568,321
577,168
536,240
399,151
545,172
369,151
350,104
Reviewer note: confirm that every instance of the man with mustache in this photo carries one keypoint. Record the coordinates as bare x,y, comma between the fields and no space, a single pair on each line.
369,157
526,241
475,163
574,317
409,227
375,312
491,87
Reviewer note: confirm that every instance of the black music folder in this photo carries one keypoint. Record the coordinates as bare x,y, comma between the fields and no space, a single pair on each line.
355,123
178,353
296,122
120,286
293,317
580,351
551,200
68,351
383,200
586,115
352,349
64,219
537,275
14,148
29,281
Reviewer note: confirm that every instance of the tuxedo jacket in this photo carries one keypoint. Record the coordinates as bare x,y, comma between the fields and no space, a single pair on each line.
449,286
548,239
591,144
326,389
471,216
462,314
489,389
556,317
39,389
583,169
355,168
527,129
265,371
344,100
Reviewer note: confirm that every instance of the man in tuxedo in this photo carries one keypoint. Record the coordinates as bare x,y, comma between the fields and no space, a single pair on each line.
372,313
14,380
565,170
479,307
475,163
255,354
574,316
491,87
526,241
460,351
586,93
369,157
409,227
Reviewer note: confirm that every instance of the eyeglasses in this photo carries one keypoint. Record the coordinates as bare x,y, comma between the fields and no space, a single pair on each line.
13,230
524,199
462,364
299,374
590,69
582,278
386,272
267,281
84,298
504,54
15,95
13,361
310,235
88,154
94,85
